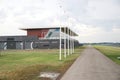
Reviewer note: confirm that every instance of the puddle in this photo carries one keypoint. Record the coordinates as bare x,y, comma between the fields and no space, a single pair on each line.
50,75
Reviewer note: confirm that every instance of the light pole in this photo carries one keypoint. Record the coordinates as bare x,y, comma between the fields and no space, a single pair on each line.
64,42
60,52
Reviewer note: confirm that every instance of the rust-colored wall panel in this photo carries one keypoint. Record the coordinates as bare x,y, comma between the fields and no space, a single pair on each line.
39,32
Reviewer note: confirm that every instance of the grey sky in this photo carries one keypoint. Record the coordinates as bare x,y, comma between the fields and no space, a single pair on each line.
93,20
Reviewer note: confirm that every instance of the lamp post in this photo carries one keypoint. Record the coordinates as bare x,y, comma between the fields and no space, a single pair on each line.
64,42
68,41
60,52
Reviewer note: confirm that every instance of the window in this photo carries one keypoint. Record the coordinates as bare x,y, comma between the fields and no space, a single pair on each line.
46,45
49,34
10,39
54,42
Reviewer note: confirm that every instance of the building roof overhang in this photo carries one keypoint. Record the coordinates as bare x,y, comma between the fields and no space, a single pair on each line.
63,29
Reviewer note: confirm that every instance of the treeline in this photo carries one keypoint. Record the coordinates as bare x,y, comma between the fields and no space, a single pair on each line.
117,44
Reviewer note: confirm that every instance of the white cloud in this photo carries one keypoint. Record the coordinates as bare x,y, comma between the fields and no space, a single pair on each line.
97,34
80,15
87,30
11,28
103,9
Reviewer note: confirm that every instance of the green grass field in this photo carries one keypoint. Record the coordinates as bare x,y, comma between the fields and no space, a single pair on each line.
21,64
111,52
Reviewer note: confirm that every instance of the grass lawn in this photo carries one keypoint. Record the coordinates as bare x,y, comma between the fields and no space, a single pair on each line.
27,64
111,52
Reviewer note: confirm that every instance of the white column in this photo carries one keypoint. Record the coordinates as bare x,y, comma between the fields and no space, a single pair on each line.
73,44
68,41
60,52
65,42
31,45
5,45
21,45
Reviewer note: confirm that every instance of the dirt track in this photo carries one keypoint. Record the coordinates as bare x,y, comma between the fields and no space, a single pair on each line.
93,65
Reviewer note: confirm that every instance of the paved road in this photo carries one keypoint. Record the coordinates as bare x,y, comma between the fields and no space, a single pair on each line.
93,65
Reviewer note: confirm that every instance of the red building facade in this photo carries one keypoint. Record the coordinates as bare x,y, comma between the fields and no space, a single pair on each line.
40,33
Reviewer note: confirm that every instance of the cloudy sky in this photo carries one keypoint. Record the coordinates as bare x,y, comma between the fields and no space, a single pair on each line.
93,20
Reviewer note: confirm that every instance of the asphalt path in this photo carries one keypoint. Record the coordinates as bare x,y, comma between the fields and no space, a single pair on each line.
93,65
